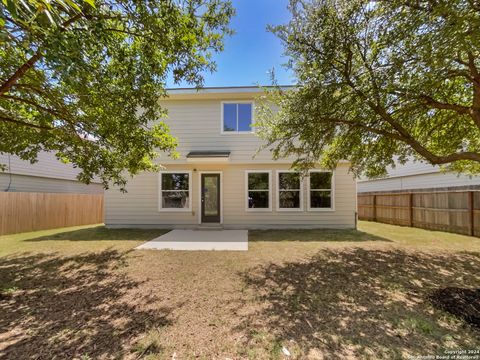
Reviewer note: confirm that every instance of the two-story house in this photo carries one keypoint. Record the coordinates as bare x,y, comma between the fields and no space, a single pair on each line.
218,181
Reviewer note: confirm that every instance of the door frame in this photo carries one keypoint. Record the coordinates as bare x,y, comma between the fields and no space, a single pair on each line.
200,194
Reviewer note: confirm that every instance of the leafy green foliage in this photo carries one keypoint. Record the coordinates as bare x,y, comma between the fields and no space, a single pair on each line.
378,81
26,12
84,80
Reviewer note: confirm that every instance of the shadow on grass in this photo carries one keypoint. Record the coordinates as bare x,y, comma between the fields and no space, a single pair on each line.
359,303
100,233
68,307
321,235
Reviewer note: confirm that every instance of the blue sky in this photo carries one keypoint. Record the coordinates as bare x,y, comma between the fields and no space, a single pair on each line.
252,51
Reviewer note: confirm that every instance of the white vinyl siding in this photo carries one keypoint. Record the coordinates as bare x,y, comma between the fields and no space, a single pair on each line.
139,206
47,166
197,124
416,175
25,183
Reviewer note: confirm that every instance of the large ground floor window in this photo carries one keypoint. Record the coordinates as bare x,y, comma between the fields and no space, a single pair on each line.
320,190
289,186
175,190
258,187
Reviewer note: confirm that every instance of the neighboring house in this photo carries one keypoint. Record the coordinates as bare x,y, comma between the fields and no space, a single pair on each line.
48,175
417,175
217,180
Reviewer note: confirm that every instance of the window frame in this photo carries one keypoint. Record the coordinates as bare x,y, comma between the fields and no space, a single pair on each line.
247,208
332,191
160,191
301,190
236,132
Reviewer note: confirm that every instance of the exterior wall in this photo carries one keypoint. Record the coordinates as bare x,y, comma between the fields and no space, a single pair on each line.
417,175
139,207
24,183
46,175
47,166
198,124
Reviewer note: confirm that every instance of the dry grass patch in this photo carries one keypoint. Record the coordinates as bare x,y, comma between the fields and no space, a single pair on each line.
318,294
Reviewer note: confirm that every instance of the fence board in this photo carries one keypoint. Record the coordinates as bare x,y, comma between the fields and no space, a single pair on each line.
453,211
22,211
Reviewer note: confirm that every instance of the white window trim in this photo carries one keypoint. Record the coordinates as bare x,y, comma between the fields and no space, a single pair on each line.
162,209
200,194
278,191
332,196
236,102
269,191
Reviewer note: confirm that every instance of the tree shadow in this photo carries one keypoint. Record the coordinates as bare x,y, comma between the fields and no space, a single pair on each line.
360,303
313,235
461,302
68,307
99,233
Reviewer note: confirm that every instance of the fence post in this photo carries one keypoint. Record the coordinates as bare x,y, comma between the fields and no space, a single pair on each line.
374,202
410,209
471,217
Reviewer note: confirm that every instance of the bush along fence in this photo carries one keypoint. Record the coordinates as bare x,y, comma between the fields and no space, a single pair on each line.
452,211
26,211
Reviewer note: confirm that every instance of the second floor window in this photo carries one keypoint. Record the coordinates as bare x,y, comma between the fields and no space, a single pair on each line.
237,117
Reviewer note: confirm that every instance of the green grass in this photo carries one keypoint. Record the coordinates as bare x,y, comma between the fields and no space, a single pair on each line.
320,293
75,239
414,238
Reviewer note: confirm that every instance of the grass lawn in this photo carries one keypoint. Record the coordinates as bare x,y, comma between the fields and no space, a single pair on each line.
85,293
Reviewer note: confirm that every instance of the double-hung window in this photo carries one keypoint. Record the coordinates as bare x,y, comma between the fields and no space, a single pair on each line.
175,191
258,186
289,185
237,117
320,190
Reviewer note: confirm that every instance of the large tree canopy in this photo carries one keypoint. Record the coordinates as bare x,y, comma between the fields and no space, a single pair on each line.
83,79
377,81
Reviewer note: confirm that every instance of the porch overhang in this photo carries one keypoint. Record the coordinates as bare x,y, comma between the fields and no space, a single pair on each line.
208,156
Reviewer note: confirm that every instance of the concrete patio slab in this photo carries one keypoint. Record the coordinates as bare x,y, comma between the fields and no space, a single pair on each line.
230,240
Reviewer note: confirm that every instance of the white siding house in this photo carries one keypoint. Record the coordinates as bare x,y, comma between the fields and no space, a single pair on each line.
416,175
47,175
218,181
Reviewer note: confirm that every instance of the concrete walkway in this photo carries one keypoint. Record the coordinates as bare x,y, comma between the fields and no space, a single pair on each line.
232,240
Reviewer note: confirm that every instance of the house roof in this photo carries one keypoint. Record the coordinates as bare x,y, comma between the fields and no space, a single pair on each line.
223,92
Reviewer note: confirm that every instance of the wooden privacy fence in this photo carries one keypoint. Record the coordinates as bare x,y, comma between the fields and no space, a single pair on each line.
453,211
24,211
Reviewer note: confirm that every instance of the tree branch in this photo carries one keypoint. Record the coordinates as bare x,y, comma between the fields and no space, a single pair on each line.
432,158
18,122
406,137
20,72
445,106
31,62
476,89
32,103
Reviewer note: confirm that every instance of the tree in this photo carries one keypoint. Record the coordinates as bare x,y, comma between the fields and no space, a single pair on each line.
83,79
377,81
